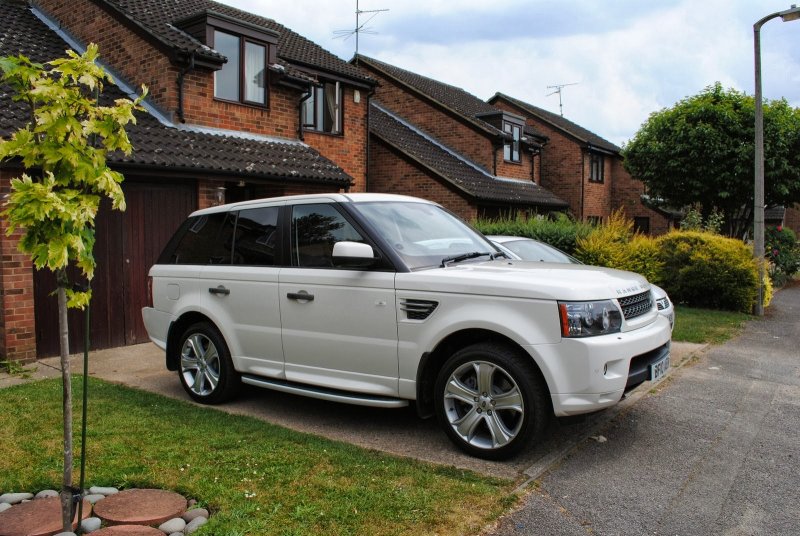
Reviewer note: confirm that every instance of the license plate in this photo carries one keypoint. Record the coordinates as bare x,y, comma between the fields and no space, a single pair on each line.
659,369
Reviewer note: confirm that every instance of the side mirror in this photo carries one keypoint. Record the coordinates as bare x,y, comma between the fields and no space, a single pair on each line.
353,255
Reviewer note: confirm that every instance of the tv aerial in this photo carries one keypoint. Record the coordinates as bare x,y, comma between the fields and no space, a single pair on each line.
557,89
361,27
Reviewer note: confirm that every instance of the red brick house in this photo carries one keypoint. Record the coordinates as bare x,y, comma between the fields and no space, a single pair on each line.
586,170
437,141
240,107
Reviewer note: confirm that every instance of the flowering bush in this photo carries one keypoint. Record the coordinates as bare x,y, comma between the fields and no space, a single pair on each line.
783,253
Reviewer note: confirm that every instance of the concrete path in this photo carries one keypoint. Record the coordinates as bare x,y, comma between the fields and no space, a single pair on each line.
398,432
715,450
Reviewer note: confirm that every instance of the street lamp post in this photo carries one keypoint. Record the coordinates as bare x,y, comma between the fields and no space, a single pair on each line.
758,206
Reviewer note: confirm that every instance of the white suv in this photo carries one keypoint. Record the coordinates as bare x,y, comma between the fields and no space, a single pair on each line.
382,300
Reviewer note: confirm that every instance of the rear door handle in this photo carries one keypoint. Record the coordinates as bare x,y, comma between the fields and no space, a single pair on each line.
220,290
300,296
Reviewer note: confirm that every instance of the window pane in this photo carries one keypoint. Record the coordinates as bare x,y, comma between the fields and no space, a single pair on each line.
255,73
315,229
226,80
256,237
308,109
208,240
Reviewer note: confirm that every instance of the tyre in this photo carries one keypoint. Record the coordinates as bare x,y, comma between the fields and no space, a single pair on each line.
491,401
205,369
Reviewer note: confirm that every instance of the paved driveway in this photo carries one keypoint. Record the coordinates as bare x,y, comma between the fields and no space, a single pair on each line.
716,450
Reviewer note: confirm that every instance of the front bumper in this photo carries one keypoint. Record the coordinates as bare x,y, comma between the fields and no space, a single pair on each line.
586,375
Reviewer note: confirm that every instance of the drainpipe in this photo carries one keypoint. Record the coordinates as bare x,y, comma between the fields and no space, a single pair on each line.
300,103
181,75
583,186
370,93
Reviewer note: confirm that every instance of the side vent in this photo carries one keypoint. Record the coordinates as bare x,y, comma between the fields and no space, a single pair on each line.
417,309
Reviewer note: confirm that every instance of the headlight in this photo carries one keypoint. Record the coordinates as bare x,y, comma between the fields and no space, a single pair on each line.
587,319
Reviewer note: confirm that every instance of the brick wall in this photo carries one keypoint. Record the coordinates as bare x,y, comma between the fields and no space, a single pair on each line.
627,195
391,173
792,218
449,129
17,324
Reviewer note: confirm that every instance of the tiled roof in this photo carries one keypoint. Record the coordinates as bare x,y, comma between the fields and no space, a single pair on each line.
159,146
465,104
560,123
454,168
156,17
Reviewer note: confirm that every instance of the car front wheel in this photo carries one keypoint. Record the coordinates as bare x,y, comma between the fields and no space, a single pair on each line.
206,370
491,401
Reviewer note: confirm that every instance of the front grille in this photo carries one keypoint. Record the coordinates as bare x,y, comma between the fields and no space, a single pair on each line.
417,309
636,305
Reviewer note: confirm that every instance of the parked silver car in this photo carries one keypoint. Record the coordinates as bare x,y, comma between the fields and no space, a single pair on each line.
528,249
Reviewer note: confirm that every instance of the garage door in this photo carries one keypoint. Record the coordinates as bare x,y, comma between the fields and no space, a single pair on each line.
127,244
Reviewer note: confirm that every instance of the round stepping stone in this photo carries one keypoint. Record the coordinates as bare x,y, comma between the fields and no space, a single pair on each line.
140,507
128,530
41,517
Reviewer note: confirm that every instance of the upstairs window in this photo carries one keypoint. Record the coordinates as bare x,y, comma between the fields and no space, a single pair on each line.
597,168
244,77
323,110
511,148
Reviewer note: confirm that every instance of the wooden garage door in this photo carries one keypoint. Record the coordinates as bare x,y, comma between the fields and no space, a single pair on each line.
127,244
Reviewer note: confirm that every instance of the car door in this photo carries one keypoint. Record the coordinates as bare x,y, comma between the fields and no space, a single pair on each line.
339,325
242,290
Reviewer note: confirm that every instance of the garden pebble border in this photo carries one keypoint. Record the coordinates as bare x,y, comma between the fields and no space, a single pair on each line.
189,522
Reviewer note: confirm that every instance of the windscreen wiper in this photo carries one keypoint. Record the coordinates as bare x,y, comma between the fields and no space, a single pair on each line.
466,256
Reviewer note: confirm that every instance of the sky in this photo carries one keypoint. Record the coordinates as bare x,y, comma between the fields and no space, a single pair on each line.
625,59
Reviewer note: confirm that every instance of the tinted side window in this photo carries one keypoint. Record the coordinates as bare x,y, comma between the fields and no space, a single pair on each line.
206,240
256,237
315,229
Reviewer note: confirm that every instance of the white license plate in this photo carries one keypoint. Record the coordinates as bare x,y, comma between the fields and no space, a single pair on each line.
659,369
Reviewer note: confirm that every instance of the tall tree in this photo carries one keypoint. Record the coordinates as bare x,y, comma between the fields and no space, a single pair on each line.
702,151
64,147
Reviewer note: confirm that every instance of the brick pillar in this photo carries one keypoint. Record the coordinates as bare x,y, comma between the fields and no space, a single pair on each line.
208,193
17,323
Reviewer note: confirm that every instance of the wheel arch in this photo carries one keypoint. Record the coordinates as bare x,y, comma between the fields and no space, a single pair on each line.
176,329
433,361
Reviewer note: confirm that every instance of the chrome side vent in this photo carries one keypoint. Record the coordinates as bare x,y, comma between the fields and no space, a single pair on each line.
662,303
417,309
636,305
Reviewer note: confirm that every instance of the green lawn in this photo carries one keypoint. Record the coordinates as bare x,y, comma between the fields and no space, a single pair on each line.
256,478
707,325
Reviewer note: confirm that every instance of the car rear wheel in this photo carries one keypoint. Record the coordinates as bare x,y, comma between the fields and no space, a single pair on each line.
206,370
491,401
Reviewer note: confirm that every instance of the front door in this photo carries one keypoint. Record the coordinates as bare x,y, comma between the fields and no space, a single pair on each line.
339,325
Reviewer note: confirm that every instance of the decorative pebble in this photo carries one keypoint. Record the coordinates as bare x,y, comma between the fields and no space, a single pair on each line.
66,534
45,493
195,524
196,512
173,525
94,497
192,502
103,491
91,524
15,498
4,507
176,534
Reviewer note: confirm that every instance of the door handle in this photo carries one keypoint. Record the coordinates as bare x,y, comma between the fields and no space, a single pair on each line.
220,290
300,296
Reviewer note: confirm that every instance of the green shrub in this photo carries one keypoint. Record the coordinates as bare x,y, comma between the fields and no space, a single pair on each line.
702,269
561,232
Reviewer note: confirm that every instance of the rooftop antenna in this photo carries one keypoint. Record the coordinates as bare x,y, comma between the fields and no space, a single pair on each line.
557,89
360,27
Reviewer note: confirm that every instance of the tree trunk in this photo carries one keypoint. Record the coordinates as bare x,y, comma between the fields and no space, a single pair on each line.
63,331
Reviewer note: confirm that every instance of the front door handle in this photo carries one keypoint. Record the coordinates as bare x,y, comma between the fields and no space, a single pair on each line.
300,296
220,290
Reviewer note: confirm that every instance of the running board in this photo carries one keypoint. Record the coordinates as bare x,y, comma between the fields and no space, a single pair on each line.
358,399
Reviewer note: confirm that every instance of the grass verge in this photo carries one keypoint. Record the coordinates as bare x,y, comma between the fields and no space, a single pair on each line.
707,325
256,478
